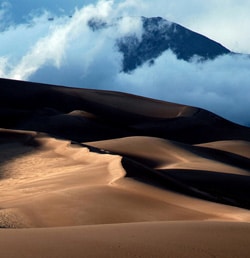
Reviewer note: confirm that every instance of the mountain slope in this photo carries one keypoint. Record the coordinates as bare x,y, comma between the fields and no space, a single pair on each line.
159,35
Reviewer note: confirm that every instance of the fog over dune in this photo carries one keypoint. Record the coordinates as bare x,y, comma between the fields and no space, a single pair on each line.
63,50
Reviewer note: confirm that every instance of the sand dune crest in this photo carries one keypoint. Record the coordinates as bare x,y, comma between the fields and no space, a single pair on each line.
91,173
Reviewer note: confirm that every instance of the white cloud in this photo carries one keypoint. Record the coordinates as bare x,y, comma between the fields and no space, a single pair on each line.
227,21
218,85
5,16
66,51
130,26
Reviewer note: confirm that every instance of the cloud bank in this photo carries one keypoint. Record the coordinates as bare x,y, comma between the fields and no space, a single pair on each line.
227,21
66,51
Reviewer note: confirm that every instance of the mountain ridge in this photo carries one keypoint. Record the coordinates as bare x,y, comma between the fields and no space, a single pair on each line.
158,36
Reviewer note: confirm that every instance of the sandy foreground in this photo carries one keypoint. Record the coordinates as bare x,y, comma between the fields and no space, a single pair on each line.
61,200
90,185
150,239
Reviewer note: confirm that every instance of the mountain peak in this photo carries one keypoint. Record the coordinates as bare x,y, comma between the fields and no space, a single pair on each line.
159,35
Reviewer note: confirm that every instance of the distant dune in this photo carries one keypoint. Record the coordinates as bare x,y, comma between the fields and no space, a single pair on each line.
91,173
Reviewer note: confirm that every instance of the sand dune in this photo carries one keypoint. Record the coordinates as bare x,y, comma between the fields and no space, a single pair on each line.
200,171
55,183
88,173
107,115
160,154
155,239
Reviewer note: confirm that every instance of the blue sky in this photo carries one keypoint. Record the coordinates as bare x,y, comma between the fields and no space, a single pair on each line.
226,21
66,52
20,9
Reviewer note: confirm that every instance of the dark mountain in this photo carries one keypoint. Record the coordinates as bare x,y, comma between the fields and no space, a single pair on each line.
160,35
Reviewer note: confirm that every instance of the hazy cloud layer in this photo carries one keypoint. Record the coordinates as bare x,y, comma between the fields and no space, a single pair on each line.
226,21
66,51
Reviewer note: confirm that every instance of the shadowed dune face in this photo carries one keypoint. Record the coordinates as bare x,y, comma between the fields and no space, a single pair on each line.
56,183
90,115
210,173
96,162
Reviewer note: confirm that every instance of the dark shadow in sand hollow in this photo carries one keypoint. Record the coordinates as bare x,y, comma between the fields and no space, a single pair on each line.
14,144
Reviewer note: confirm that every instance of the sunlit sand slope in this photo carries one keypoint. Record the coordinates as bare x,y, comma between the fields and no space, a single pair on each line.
91,173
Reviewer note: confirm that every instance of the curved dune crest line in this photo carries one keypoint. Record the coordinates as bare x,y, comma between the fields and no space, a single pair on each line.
85,115
159,153
208,173
237,147
72,178
91,173
40,182
60,184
